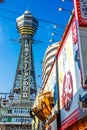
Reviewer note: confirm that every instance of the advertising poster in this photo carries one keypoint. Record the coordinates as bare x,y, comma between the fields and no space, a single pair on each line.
67,82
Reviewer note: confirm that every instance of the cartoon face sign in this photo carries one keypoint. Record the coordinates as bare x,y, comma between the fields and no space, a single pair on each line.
67,94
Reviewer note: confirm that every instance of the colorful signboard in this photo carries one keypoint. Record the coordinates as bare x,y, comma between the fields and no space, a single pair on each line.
73,97
67,81
80,7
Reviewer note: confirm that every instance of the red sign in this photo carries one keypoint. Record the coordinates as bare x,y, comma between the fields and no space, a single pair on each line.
80,7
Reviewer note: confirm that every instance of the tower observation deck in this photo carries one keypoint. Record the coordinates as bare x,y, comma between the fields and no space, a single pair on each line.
16,113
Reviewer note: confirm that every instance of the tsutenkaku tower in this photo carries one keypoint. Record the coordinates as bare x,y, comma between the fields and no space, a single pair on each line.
25,83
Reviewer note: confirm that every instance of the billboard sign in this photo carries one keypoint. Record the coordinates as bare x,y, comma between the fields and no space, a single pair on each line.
67,81
80,7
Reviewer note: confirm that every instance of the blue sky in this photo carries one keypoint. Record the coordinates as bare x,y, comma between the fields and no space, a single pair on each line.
9,51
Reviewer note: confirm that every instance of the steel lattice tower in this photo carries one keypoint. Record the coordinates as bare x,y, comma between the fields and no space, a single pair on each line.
25,83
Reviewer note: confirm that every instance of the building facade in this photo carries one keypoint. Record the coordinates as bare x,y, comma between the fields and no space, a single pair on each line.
48,61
